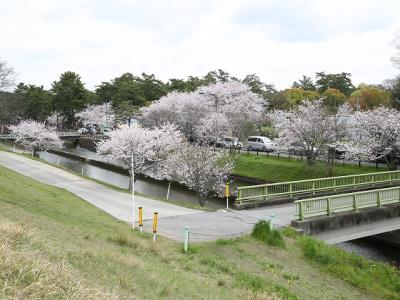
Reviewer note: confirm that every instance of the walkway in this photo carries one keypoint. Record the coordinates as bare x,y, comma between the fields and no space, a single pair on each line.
172,218
117,204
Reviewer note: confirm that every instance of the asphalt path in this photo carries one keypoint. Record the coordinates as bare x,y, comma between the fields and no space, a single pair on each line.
202,225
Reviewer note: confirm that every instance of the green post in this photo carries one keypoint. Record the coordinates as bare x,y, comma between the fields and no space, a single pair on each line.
271,221
334,184
301,211
354,182
355,202
290,190
186,239
379,199
328,205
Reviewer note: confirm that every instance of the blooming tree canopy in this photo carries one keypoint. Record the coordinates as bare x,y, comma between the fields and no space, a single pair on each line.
148,147
312,127
35,136
97,114
201,169
224,108
376,134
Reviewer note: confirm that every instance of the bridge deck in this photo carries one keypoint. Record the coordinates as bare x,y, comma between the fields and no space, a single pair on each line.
358,231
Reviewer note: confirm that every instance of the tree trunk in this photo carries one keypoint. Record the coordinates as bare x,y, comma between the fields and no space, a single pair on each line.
310,159
391,162
202,199
329,162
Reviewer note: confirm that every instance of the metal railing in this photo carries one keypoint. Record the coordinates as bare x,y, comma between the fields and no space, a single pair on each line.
333,184
327,205
68,133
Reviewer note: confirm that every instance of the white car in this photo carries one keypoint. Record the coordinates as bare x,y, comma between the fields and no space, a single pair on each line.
262,143
82,130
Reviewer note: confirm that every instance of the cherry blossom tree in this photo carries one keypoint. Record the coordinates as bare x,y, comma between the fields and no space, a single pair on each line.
212,128
375,134
35,136
312,127
202,170
223,108
140,150
97,114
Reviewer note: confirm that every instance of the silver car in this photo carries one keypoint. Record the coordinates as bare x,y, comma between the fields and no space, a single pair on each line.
262,143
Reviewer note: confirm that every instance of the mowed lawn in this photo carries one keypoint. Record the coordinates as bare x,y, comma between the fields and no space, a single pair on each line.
55,245
278,169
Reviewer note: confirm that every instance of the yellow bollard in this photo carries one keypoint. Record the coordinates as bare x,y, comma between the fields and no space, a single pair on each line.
141,219
227,194
155,223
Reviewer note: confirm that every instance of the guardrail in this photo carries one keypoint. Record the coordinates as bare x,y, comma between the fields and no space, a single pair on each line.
7,136
333,184
68,133
327,205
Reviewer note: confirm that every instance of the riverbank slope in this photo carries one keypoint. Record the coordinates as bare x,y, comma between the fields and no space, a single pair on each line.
54,243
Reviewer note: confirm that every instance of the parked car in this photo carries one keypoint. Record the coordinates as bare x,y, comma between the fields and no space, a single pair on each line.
92,128
82,130
106,130
230,142
220,143
298,149
262,143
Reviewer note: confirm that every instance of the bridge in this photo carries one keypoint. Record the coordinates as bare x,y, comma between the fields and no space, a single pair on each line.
334,209
61,134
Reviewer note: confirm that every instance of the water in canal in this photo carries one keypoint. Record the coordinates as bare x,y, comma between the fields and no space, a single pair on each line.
144,185
373,250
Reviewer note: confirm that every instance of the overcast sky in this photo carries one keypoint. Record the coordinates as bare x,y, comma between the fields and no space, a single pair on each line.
278,40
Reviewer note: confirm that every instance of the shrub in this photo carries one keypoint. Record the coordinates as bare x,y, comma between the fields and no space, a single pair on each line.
378,278
262,231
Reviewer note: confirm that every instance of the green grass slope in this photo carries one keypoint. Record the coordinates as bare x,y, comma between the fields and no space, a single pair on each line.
54,245
279,169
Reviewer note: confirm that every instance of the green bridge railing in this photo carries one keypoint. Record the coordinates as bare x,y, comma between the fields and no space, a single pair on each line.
328,205
293,188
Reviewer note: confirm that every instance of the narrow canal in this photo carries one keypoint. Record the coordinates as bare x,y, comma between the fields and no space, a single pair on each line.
144,185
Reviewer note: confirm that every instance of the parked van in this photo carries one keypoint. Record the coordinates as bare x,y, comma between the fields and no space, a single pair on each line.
260,143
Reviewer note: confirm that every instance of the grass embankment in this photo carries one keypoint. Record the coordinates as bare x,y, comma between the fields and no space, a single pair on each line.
278,169
55,245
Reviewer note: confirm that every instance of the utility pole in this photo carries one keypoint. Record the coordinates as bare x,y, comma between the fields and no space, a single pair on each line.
133,192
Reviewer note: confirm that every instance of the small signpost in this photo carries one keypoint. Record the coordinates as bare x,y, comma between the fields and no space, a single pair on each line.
227,194
141,219
155,223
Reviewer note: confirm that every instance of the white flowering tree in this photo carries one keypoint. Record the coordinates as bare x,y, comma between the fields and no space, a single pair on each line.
312,127
97,114
139,149
233,103
35,136
202,170
213,127
376,134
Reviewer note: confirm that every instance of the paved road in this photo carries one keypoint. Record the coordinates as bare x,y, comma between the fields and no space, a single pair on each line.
172,218
117,204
